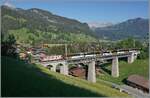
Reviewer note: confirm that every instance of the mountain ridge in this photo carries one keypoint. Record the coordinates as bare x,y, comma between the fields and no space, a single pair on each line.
136,28
38,19
47,19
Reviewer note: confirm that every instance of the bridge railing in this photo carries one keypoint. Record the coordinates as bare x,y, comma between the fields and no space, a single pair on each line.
106,51
100,56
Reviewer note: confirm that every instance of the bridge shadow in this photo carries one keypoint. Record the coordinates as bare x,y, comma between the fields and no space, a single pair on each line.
86,71
125,59
104,67
124,80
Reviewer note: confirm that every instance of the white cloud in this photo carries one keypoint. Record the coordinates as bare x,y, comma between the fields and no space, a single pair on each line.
8,3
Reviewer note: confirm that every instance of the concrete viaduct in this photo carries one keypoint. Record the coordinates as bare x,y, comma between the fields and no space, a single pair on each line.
90,61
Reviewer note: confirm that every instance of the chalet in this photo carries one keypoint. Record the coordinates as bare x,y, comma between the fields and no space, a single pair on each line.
139,82
77,72
81,72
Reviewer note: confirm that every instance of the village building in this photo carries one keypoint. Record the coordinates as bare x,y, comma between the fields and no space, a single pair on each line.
139,82
78,72
81,72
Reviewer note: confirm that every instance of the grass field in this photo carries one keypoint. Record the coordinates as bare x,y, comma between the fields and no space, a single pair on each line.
140,67
22,79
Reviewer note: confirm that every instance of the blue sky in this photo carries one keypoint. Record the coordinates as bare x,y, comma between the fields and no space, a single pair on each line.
90,10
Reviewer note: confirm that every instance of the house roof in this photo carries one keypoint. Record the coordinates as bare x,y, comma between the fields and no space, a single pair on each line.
139,80
78,72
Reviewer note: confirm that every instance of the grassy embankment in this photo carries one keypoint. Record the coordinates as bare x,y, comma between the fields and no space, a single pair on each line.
22,79
140,67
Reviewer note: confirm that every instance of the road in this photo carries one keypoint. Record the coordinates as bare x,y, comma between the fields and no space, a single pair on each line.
127,89
135,92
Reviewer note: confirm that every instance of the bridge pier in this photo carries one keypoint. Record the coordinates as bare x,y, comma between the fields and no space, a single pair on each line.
91,72
64,69
131,58
135,56
53,67
115,67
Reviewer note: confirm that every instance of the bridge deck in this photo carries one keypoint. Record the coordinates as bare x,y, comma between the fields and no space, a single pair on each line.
88,59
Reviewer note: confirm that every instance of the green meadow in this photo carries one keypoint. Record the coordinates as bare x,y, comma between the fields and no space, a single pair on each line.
20,79
139,67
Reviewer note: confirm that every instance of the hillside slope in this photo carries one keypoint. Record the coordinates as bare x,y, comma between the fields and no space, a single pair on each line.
39,19
41,26
22,79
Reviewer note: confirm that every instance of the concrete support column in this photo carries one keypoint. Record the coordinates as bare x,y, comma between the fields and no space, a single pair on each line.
91,72
53,68
135,56
64,69
131,58
115,67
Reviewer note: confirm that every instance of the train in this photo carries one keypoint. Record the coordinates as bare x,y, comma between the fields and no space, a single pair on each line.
61,57
107,53
82,55
51,58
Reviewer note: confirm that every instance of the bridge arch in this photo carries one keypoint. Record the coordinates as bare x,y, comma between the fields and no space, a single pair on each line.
82,65
49,67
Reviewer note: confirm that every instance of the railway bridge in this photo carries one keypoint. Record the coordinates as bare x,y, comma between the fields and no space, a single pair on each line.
90,61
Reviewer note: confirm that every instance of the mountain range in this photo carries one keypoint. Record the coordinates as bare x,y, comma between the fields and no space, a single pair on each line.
137,28
37,20
40,19
42,26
